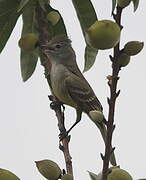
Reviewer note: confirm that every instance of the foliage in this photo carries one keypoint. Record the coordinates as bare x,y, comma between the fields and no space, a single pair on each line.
10,11
8,19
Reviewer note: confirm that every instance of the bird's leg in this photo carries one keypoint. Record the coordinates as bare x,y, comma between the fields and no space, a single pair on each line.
78,119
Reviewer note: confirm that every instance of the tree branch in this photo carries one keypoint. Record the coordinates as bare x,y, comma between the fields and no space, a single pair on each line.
64,140
44,36
112,100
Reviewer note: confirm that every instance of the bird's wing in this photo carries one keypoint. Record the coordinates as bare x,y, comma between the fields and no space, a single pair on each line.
82,94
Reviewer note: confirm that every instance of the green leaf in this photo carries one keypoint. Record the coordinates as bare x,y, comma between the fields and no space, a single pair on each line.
28,59
86,13
22,4
90,57
113,5
94,176
136,4
8,19
7,7
28,63
43,3
87,16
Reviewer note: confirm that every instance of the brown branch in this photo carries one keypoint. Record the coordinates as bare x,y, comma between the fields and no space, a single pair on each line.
44,36
112,100
64,138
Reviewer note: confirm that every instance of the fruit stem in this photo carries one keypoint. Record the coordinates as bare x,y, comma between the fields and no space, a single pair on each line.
112,100
44,36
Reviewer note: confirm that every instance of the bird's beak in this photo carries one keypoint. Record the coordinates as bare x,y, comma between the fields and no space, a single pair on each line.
48,49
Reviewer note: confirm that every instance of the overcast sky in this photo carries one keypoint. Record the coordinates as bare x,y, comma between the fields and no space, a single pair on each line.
28,128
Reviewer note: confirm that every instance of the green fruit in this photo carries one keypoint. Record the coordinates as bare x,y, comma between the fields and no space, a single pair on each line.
123,3
123,60
96,116
103,34
53,17
67,177
7,175
118,174
133,47
28,42
49,169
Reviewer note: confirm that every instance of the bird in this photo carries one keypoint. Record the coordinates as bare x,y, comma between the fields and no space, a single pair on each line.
68,83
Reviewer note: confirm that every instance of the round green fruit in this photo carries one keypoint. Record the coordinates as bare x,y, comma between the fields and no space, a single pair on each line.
123,3
103,34
49,169
7,175
123,60
28,42
117,174
67,177
133,48
53,17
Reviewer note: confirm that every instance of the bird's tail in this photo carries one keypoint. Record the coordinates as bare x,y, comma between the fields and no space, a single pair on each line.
103,130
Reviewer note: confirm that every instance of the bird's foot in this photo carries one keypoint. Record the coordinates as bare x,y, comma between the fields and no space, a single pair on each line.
55,104
64,135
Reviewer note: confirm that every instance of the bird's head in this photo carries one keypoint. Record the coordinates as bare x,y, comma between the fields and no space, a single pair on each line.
59,48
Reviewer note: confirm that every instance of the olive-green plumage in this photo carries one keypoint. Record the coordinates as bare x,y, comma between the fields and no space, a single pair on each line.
68,83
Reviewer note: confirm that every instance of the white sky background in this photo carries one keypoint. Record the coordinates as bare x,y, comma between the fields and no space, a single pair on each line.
28,128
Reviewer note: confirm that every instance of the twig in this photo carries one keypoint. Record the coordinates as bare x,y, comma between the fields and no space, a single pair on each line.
64,141
44,36
112,100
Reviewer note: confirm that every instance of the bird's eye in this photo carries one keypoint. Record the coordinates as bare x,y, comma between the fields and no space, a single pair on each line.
58,46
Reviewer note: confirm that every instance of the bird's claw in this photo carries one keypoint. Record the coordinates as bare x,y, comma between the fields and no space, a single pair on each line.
55,105
64,135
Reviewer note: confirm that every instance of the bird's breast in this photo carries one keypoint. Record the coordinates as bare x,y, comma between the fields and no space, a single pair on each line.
58,76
